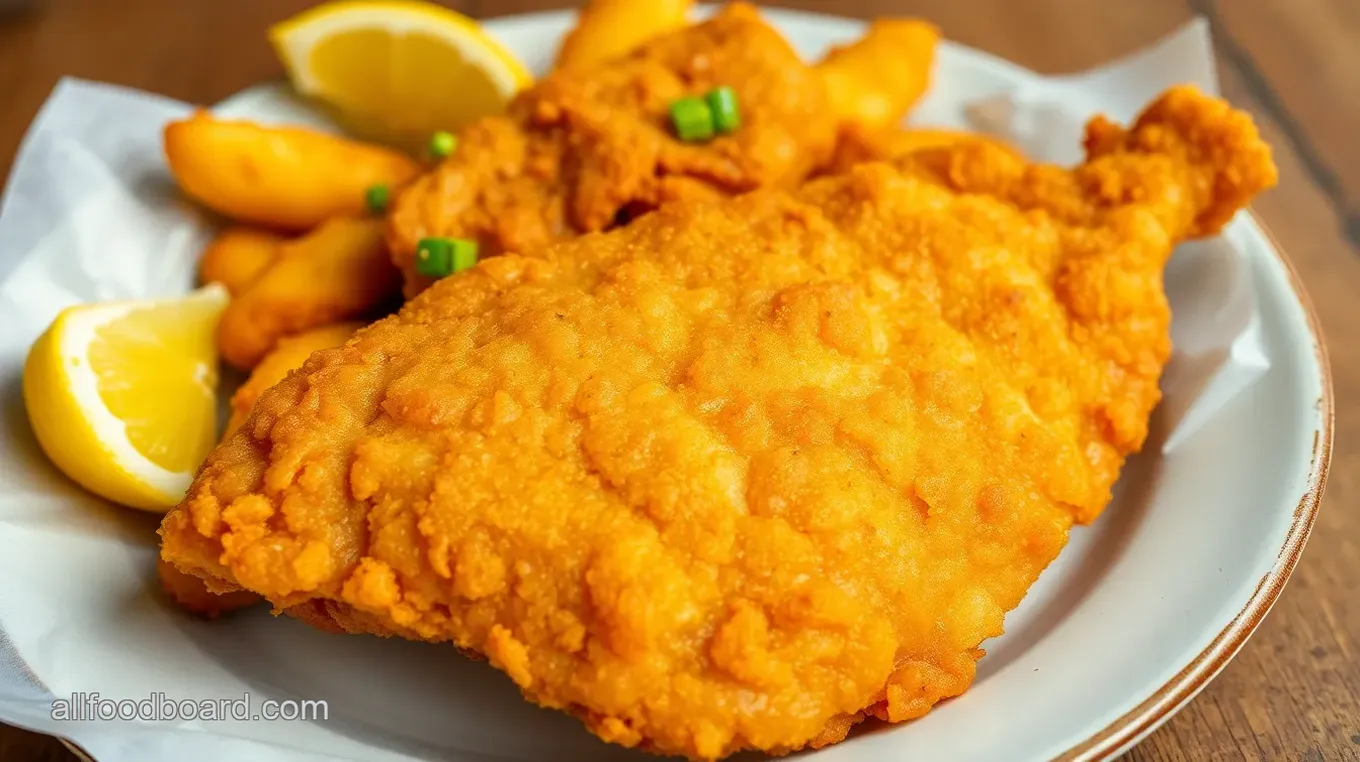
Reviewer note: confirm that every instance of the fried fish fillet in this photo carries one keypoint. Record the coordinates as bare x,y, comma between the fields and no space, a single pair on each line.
742,473
191,594
589,146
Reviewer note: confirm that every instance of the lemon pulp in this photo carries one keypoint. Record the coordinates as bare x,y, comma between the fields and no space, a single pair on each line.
121,395
159,378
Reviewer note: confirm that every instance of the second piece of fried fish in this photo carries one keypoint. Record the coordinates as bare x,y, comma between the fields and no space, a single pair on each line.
591,147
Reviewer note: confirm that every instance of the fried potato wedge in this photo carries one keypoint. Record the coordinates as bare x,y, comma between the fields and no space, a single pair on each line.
339,271
858,145
874,81
284,177
902,142
607,29
237,256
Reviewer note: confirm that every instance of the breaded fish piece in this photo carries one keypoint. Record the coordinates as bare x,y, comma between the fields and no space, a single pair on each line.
191,594
590,146
742,473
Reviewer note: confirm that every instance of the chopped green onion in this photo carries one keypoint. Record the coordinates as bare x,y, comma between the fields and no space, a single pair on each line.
377,197
693,119
440,257
434,257
464,254
442,144
722,101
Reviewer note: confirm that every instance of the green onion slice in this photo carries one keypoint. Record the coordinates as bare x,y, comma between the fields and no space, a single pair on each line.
693,119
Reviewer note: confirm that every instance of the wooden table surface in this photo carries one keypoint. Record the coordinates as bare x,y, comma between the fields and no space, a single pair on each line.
1294,691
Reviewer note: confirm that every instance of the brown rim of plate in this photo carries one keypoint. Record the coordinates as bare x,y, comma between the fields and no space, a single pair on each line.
1140,721
1177,692
76,750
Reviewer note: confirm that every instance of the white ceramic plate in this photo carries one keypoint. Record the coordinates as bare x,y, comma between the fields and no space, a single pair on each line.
1139,612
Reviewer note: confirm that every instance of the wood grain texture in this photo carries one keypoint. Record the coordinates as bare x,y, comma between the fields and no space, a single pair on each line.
1294,691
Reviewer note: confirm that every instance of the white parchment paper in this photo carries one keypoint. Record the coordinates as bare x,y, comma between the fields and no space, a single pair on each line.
90,213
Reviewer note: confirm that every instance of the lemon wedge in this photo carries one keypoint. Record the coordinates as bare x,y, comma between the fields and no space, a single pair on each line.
398,70
122,395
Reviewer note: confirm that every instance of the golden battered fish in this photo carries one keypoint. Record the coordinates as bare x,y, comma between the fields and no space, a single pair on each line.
744,472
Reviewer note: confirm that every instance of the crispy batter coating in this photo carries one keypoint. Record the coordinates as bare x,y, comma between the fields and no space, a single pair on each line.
191,594
188,591
742,473
590,146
